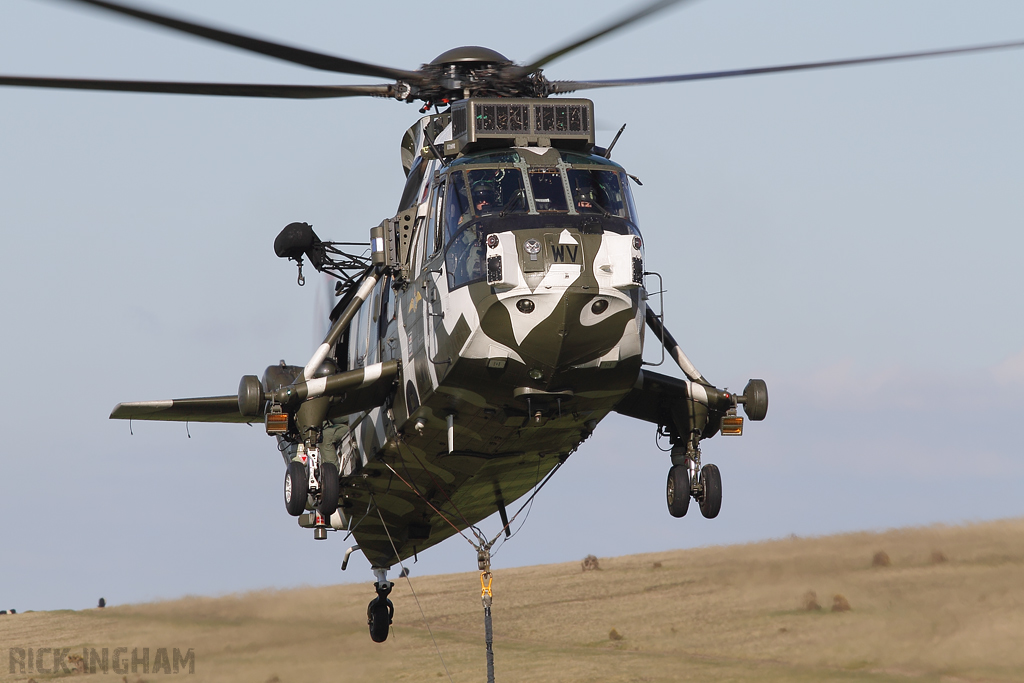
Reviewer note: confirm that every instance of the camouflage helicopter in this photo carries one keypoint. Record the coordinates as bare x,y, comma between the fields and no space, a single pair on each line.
500,316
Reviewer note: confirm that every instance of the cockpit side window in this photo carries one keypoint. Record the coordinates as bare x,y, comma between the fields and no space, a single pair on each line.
434,222
495,190
629,201
598,191
412,184
548,191
458,211
464,260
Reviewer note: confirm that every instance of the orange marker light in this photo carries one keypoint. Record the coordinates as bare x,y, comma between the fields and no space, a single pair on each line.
277,423
732,425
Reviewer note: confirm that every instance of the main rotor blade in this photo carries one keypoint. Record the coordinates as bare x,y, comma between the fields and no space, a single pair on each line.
296,55
300,92
619,23
571,86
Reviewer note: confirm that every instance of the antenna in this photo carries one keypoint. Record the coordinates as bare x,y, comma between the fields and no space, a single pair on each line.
608,152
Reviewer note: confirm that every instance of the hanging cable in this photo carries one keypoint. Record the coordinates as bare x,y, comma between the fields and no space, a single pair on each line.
421,496
528,500
484,562
352,528
441,488
529,508
398,443
413,590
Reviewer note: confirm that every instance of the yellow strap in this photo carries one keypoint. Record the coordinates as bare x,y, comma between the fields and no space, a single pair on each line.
485,588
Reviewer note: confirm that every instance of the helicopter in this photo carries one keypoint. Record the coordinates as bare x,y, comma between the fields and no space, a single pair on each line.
498,393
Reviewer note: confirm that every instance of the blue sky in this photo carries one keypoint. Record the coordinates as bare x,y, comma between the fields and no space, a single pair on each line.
852,236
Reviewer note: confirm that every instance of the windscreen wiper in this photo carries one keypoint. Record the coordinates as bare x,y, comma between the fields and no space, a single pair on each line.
516,199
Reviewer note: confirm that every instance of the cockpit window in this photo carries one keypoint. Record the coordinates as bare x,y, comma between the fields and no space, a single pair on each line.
597,191
548,192
592,186
495,190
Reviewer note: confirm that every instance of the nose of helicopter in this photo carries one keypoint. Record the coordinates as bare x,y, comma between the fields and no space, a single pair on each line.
572,327
564,299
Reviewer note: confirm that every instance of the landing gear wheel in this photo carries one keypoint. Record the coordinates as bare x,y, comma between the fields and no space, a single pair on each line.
677,491
330,489
296,488
755,396
711,501
379,614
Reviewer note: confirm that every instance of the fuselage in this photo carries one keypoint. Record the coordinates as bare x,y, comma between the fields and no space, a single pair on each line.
520,327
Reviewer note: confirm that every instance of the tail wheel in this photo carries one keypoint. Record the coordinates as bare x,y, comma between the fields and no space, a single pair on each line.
379,614
711,501
296,488
330,489
677,490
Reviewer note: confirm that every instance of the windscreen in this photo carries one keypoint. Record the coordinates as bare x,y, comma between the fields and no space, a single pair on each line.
548,191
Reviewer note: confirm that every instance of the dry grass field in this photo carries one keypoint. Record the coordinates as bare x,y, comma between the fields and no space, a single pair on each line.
949,606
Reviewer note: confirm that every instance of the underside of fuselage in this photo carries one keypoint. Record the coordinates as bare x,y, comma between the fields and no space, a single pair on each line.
503,446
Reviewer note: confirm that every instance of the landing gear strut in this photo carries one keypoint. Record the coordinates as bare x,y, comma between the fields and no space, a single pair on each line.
380,611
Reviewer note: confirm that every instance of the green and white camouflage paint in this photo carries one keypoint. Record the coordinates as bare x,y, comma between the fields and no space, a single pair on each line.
466,365
523,383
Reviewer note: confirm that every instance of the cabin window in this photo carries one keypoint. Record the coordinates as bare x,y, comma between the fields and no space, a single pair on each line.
548,191
387,309
373,321
358,327
599,191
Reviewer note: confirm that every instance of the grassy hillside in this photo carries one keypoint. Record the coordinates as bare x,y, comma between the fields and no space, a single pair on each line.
949,607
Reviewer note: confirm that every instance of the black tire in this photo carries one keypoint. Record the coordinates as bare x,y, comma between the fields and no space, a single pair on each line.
755,395
677,490
711,501
296,488
379,614
330,488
